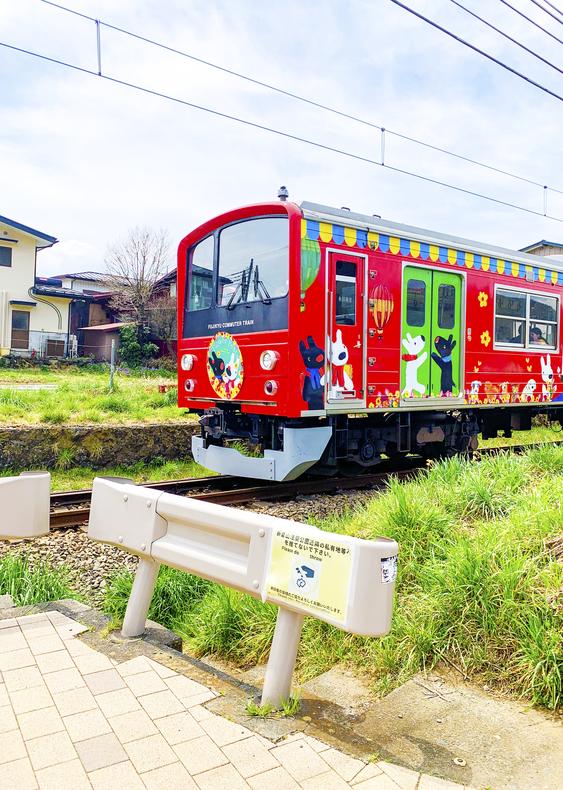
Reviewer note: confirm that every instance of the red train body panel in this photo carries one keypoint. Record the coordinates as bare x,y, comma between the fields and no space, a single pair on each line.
299,317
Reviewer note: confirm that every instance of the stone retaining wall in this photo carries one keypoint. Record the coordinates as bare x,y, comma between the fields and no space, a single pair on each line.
93,445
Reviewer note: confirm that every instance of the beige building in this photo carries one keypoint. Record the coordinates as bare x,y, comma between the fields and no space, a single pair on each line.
43,316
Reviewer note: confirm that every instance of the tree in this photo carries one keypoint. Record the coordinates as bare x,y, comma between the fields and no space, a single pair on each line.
163,319
134,267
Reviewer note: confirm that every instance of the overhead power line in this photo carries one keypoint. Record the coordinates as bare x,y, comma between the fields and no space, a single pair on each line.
476,49
502,33
547,2
546,11
297,97
281,133
532,21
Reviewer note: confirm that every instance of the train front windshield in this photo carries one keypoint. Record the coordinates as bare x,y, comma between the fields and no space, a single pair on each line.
238,279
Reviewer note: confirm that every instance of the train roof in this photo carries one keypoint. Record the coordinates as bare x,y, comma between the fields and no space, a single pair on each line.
317,211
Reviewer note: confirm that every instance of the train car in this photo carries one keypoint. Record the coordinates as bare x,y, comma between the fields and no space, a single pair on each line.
318,337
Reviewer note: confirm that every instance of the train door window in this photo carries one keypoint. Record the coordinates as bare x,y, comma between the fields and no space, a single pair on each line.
416,303
510,317
446,307
200,286
345,293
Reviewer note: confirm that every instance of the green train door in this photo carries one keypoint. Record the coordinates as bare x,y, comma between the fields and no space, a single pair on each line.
431,333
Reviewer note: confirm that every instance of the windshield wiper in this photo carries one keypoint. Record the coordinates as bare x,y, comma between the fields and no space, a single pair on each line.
260,287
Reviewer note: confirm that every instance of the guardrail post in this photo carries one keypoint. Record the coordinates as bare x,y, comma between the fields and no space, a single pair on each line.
140,599
277,683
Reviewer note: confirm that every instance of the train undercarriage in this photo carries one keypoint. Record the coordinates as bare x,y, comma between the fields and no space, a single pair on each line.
277,448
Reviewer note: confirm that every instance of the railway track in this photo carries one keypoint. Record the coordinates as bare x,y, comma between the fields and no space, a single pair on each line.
72,508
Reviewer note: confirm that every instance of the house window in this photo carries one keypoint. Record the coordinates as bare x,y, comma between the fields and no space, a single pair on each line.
526,320
5,256
20,329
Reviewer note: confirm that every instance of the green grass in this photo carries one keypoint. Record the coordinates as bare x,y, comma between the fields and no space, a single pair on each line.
478,585
82,396
37,583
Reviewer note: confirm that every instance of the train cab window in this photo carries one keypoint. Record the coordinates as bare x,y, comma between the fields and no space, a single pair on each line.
201,275
253,261
416,303
345,293
526,320
446,306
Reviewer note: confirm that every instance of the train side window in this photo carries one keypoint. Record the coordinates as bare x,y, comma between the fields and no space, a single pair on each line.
345,293
200,285
510,317
526,319
446,306
416,303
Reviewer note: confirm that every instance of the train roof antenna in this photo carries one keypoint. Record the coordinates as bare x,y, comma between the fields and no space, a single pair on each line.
283,194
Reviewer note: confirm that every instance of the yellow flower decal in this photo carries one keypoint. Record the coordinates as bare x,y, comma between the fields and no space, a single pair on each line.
485,338
483,299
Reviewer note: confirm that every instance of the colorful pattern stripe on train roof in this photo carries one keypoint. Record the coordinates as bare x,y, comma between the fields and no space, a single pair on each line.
355,237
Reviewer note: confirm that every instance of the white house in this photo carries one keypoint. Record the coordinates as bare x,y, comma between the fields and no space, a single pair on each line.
41,316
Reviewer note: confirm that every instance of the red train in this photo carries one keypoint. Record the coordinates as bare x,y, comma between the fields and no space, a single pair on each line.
326,338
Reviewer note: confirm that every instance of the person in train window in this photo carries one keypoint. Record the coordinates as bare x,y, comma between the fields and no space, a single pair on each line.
536,336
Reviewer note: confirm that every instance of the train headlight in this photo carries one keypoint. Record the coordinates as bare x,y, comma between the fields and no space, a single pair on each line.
271,387
188,361
269,359
189,385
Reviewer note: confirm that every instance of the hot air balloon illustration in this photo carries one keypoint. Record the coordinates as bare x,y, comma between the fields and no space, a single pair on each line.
310,263
382,305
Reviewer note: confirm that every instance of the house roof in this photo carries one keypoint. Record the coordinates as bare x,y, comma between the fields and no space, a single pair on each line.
60,293
94,277
104,327
541,243
43,238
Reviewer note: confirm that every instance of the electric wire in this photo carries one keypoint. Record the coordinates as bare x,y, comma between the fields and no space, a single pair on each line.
546,11
279,132
532,21
547,2
303,99
502,33
477,49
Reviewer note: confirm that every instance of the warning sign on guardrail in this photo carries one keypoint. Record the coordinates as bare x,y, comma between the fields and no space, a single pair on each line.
310,572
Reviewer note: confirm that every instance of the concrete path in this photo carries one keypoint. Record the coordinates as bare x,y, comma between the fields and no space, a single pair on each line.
72,717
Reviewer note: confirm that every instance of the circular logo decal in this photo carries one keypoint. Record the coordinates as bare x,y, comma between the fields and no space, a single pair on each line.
224,365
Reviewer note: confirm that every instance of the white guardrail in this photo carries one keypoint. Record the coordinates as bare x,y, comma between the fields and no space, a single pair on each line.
25,505
344,581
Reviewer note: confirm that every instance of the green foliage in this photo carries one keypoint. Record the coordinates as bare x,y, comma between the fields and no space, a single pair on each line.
135,348
289,707
65,458
260,711
29,584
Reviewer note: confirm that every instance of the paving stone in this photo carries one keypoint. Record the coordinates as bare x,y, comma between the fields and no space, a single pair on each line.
7,719
276,779
70,629
86,664
102,682
163,703
134,665
100,752
179,727
145,683
29,620
17,775
404,777
50,750
75,701
52,662
12,639
9,622
4,699
329,781
161,670
121,775
200,754
223,778
12,746
250,757
199,713
17,679
223,731
316,745
169,777
345,766
77,648
184,687
115,703
380,782
299,760
64,680
149,753
44,644
15,659
37,723
66,776
435,783
369,772
31,699
130,726
198,699
87,724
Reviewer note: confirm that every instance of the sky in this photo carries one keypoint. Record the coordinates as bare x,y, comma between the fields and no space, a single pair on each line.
87,160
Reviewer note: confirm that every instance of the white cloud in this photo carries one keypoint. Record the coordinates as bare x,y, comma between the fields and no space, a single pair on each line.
86,159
